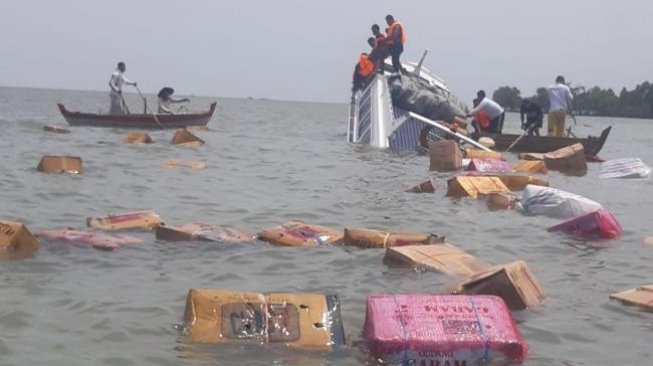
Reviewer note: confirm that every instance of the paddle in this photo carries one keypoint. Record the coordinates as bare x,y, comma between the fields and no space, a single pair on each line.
124,104
516,141
156,119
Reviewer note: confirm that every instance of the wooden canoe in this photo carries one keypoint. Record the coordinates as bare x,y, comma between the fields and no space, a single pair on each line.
544,144
137,120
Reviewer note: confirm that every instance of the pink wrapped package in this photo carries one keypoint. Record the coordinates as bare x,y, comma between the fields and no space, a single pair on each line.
489,166
441,330
92,239
600,222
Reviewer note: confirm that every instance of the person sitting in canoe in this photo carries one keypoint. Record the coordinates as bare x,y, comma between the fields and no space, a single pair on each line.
166,99
494,111
116,82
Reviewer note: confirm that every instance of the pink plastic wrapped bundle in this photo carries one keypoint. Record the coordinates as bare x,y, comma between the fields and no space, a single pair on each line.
441,329
601,222
489,166
92,239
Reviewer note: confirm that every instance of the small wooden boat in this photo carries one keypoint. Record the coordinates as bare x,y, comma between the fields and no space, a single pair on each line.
545,144
137,120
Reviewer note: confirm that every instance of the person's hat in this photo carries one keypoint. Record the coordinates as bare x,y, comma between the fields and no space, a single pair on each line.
486,141
166,92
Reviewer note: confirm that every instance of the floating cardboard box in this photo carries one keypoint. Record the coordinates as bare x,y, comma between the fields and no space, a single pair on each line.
531,166
92,239
183,136
425,187
366,238
513,282
198,165
641,296
489,166
445,156
137,138
474,186
600,223
519,182
471,153
60,164
459,122
55,129
531,156
501,201
570,159
16,241
201,232
441,330
132,220
444,258
296,320
300,234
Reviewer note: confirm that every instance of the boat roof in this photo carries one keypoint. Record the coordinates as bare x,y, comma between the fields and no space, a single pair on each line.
424,73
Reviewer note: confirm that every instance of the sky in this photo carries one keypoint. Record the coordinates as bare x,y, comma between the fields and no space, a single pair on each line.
305,50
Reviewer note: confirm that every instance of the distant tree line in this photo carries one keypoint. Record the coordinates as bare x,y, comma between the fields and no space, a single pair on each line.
636,103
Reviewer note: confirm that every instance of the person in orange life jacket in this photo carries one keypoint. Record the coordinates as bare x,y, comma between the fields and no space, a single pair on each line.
480,122
494,111
395,40
380,51
363,69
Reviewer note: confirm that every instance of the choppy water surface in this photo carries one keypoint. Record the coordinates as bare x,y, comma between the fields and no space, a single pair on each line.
270,162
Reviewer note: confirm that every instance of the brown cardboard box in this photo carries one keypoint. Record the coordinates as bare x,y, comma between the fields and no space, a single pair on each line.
641,296
299,234
61,164
16,241
296,320
445,156
425,187
519,182
501,201
444,258
568,159
132,220
201,232
459,122
531,166
198,165
465,186
530,156
481,154
183,136
513,282
137,138
366,238
55,129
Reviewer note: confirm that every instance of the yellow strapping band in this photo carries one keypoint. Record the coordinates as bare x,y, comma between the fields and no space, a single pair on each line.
385,240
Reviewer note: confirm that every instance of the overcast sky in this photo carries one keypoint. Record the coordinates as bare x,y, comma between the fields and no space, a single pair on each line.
305,50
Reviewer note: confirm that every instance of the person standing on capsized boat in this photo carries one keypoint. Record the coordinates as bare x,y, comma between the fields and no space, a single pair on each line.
166,99
494,111
560,98
395,39
116,82
380,50
534,117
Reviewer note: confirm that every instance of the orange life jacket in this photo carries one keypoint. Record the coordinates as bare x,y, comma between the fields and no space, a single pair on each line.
389,39
365,65
482,118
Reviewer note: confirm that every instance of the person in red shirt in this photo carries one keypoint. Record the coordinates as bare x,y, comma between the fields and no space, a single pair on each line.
380,50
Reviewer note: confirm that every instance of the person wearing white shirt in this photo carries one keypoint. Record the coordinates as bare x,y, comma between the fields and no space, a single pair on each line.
560,98
116,82
494,111
166,99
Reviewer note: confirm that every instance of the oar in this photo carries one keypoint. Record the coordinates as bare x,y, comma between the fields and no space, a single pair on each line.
516,141
156,119
124,104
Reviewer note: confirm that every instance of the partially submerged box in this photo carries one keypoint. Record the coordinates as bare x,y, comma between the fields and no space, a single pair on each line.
444,258
197,231
531,166
184,136
137,138
485,165
601,223
147,219
519,182
530,156
16,241
294,320
89,238
472,153
428,186
501,201
641,296
60,164
369,238
441,330
513,282
55,129
299,234
173,163
569,159
445,156
465,186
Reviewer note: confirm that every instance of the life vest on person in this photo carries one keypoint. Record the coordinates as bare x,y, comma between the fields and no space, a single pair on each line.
482,118
365,65
391,29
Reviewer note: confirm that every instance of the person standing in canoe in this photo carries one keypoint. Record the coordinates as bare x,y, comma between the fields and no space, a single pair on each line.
534,117
116,82
395,39
166,99
560,98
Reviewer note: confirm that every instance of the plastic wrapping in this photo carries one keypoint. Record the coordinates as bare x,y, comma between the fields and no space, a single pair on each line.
555,202
602,223
147,219
485,165
625,168
441,330
89,238
413,94
300,234
201,232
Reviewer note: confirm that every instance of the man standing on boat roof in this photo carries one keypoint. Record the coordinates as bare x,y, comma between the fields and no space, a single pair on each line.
395,40
494,111
380,50
560,98
116,82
